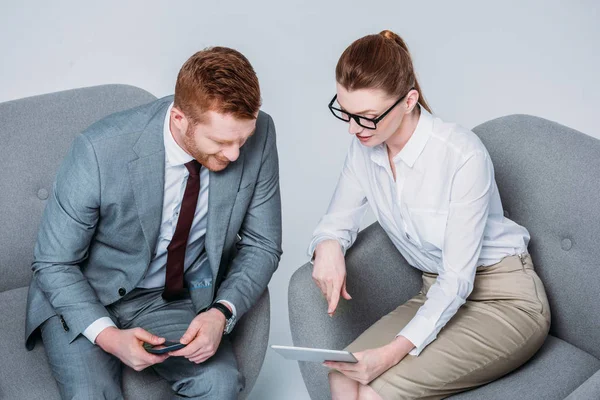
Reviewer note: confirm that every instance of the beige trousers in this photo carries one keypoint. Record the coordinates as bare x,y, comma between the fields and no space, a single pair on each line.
503,323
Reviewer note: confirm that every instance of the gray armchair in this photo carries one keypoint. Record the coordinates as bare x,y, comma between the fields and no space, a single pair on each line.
549,179
36,133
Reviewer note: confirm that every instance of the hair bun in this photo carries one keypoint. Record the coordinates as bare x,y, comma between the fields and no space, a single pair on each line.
394,37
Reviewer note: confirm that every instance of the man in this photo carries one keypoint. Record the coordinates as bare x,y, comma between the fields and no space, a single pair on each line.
164,223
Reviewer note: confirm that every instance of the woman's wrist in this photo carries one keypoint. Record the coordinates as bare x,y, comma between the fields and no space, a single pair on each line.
398,349
330,246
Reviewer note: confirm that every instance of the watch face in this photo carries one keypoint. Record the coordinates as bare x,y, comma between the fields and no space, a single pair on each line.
229,325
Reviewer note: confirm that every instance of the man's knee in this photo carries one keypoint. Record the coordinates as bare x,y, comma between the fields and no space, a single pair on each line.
87,389
217,381
81,369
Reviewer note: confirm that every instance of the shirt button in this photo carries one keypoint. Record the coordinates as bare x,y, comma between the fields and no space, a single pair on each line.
122,291
42,194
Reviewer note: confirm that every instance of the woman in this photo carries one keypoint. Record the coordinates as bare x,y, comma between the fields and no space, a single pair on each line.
482,310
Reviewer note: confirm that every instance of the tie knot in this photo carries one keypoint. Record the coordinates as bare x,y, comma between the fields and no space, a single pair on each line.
193,167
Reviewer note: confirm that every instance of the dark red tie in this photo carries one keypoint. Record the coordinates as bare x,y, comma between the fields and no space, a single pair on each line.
176,249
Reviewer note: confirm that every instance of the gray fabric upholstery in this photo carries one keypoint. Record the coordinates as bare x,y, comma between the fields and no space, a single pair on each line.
23,374
549,181
36,133
588,390
250,337
555,371
547,175
373,266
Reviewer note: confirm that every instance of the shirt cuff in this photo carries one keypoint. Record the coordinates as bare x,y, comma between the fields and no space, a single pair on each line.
321,238
92,331
420,331
233,309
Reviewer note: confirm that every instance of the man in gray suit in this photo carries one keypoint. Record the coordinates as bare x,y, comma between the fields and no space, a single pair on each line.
164,223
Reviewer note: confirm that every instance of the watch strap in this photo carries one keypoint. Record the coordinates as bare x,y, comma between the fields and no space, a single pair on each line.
223,308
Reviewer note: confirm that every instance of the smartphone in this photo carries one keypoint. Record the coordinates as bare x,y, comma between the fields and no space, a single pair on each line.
166,347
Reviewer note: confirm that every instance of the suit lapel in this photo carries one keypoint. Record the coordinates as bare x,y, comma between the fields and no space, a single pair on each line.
147,176
222,193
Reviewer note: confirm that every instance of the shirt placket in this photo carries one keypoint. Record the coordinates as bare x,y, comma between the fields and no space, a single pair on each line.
177,204
389,191
397,211
401,212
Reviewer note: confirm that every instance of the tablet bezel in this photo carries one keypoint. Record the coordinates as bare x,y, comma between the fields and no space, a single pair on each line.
314,355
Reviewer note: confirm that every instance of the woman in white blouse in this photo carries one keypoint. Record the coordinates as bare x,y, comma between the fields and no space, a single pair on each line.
482,310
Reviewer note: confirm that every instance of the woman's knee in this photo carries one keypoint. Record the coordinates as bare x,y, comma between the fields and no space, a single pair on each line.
342,387
366,392
337,377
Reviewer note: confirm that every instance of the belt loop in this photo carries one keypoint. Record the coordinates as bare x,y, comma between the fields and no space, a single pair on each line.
522,259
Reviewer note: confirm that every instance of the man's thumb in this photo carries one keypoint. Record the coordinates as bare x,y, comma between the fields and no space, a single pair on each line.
148,337
187,336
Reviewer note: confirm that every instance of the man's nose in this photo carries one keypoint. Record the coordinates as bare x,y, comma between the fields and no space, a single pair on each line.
232,153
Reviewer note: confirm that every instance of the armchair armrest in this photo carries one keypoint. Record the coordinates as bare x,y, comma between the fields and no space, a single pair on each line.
588,390
379,280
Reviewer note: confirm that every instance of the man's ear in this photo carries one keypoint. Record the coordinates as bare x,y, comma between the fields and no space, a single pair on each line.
179,120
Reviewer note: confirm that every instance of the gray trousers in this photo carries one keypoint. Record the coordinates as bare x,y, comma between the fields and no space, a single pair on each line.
84,371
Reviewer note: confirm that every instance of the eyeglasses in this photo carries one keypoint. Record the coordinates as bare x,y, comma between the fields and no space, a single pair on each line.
367,123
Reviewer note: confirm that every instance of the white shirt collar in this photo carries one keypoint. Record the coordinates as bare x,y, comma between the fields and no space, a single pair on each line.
413,148
174,153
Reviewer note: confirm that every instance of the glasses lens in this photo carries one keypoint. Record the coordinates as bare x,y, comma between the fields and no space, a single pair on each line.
365,123
340,114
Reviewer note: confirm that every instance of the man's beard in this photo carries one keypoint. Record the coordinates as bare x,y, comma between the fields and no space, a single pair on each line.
210,162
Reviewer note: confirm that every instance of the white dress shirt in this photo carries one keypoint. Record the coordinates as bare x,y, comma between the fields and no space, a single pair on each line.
443,213
176,175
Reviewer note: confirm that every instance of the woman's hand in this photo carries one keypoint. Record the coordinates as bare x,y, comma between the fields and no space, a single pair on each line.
329,273
374,362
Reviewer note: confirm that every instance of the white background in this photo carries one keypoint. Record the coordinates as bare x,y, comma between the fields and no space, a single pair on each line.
476,60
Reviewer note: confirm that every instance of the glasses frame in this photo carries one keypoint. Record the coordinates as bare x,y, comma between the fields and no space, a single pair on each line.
357,118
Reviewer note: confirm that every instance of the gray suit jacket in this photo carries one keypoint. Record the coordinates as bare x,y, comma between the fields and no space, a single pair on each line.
101,223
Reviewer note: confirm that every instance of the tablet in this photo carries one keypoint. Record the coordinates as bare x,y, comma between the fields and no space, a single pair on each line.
314,355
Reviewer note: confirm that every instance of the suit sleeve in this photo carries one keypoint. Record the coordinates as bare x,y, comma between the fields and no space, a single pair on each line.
68,224
259,247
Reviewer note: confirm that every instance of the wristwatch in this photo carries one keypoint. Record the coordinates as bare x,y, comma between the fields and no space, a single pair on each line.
229,317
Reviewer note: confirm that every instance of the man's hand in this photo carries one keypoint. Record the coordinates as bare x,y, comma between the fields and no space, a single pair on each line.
329,273
127,346
374,362
202,337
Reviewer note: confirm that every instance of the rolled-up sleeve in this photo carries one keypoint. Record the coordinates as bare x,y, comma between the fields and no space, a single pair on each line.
467,217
